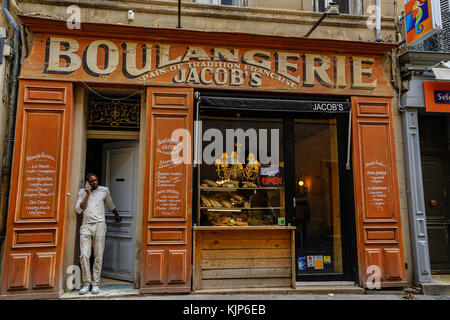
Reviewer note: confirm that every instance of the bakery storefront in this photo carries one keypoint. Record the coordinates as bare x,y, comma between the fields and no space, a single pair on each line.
233,165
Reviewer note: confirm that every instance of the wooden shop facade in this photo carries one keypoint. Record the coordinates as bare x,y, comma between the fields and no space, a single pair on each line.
305,189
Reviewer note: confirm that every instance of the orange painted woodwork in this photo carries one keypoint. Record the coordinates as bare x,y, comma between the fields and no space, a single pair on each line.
378,221
39,185
166,245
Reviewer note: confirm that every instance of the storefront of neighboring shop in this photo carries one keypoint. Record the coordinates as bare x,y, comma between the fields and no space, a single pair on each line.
426,124
254,166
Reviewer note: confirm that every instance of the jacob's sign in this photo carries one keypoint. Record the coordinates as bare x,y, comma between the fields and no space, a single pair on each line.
156,62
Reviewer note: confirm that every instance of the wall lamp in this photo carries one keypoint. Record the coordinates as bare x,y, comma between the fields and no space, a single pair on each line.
331,9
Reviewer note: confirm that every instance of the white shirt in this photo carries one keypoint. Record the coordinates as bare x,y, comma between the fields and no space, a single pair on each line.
95,209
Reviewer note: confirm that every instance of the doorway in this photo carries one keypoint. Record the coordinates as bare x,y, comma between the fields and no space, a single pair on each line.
322,193
435,153
116,165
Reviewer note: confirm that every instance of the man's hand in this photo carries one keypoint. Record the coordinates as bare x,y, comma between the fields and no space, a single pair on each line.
87,187
116,216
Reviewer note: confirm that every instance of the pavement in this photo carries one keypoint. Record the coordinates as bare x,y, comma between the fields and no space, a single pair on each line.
440,284
126,292
438,289
239,297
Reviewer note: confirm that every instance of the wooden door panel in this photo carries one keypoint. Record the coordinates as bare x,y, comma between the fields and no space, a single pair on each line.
39,187
44,273
19,270
45,158
166,265
155,267
393,264
177,266
376,192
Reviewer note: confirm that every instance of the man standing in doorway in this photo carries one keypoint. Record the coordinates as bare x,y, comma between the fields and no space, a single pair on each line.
93,229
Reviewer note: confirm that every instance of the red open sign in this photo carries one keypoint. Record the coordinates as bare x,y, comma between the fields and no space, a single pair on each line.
270,177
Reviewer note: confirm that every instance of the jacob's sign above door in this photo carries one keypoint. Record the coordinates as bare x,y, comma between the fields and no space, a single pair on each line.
422,20
199,65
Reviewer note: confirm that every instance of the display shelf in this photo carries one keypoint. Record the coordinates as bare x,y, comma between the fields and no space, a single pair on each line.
240,188
241,208
214,228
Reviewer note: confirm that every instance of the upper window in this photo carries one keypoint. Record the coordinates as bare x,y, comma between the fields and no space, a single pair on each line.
239,3
345,6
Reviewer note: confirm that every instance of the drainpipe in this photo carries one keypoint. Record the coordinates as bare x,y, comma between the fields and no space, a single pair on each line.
378,20
179,14
7,158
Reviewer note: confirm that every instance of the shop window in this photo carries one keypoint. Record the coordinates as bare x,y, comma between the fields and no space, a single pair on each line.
345,6
243,182
238,3
317,210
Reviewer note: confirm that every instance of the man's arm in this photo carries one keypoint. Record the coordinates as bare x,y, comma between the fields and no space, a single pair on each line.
111,206
81,201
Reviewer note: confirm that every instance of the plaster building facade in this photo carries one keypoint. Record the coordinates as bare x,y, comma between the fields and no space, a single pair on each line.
332,206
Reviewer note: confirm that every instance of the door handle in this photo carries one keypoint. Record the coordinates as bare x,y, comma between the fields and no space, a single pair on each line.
293,204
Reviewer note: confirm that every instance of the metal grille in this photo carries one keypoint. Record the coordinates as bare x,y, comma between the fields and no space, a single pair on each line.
114,114
445,37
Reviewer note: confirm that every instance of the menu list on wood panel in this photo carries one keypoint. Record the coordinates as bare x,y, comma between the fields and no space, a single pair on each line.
168,180
39,185
376,175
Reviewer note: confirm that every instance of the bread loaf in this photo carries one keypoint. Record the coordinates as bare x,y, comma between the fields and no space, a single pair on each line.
211,183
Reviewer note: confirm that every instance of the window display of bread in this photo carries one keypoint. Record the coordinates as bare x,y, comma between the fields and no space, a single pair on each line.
228,202
211,183
247,184
236,197
220,184
221,199
228,185
228,221
205,201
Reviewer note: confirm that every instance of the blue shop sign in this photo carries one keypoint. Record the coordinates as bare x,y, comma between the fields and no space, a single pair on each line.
442,97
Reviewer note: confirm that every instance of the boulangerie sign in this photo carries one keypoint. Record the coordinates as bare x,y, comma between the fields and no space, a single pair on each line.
190,64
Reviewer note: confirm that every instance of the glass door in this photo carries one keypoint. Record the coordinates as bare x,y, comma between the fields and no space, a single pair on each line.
319,174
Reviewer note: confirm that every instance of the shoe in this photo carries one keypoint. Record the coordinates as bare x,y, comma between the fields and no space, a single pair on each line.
85,289
95,289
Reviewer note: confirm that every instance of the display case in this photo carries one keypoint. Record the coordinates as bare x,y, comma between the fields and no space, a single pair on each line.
230,202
